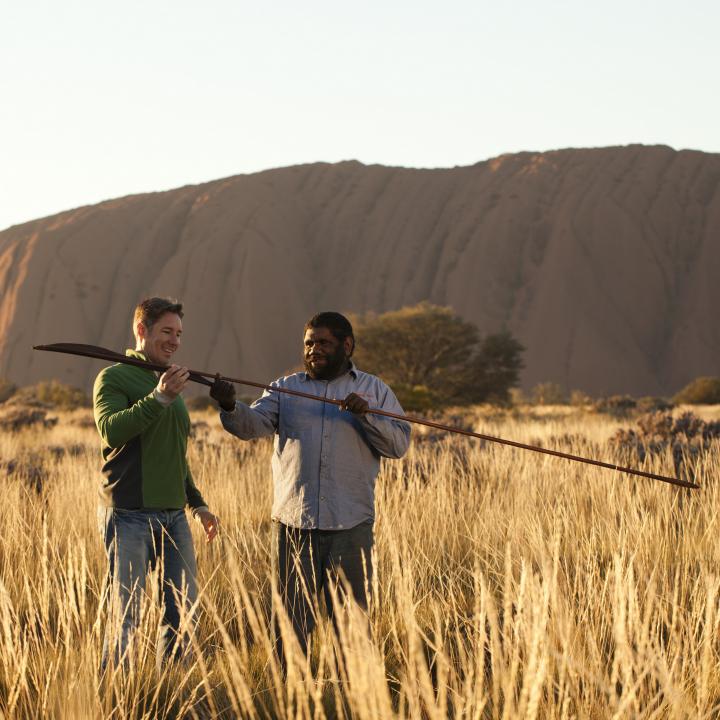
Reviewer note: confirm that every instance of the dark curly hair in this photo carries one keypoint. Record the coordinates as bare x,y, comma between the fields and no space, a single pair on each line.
336,323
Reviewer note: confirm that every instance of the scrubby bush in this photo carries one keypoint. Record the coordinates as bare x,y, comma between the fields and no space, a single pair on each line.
54,394
81,420
30,468
651,404
17,417
616,405
548,393
701,391
686,436
578,398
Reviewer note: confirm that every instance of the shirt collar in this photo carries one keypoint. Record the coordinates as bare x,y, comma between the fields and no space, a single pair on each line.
352,370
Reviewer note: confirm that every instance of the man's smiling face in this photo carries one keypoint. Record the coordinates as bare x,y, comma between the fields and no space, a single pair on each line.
162,339
324,355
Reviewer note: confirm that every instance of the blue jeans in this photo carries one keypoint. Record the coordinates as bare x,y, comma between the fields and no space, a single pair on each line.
135,541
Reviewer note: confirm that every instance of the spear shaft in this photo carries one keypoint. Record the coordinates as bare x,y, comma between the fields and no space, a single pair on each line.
200,376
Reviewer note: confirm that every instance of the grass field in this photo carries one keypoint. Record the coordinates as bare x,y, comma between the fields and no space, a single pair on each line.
508,585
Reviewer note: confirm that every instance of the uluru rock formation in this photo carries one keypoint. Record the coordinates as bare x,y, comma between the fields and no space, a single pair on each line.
604,262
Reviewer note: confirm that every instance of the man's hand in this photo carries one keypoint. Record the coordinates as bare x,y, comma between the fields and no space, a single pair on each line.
355,404
224,393
173,381
209,522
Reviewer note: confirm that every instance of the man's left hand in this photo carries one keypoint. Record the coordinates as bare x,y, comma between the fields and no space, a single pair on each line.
209,522
224,393
355,404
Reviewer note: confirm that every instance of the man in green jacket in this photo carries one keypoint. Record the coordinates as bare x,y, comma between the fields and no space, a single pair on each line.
144,426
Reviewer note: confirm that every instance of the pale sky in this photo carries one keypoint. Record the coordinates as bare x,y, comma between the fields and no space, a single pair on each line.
102,99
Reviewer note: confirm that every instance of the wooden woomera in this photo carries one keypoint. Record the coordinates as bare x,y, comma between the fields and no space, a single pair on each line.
200,376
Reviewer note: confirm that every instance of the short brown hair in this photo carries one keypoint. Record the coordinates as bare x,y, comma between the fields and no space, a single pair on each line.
150,310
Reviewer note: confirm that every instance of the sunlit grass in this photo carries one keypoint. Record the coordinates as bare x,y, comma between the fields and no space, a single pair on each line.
508,584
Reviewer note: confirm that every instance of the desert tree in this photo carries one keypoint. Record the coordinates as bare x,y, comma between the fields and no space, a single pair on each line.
701,391
432,357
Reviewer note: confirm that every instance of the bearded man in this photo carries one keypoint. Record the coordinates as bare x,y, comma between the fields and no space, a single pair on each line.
325,465
144,426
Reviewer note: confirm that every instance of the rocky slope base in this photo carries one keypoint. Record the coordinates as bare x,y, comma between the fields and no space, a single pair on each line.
604,262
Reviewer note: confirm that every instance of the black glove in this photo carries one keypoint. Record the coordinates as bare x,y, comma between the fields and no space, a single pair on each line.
224,393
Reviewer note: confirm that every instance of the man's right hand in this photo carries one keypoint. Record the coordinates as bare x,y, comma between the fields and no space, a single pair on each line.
173,381
224,393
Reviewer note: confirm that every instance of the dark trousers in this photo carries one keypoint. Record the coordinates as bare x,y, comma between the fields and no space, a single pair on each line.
309,564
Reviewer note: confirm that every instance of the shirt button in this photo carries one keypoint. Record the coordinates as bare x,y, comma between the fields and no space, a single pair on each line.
322,497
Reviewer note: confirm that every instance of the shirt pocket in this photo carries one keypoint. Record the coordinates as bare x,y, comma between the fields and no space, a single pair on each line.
295,416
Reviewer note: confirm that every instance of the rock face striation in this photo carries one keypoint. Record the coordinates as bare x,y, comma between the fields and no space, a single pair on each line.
604,262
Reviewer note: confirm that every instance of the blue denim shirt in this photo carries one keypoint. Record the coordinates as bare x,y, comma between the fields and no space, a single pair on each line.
326,460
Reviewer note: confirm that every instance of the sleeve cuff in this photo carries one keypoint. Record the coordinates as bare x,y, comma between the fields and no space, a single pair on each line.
163,399
196,510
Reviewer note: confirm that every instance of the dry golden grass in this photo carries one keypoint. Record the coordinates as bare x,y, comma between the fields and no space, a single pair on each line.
508,585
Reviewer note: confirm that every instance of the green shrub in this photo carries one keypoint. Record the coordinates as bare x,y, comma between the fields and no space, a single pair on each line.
701,391
432,357
416,398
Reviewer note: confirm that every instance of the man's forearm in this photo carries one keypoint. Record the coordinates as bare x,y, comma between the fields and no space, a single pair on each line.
246,423
119,426
389,437
194,497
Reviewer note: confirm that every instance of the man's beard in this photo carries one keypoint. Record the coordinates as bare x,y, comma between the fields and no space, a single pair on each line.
333,365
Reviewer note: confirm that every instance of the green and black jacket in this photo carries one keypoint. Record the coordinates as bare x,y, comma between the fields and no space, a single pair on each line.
144,443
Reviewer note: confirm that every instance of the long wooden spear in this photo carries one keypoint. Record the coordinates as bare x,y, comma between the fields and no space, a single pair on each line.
200,376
